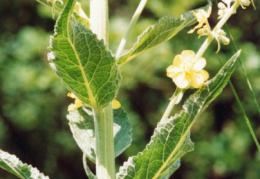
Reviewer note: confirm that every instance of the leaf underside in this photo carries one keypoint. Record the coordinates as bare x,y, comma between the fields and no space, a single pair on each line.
171,139
13,165
82,126
82,62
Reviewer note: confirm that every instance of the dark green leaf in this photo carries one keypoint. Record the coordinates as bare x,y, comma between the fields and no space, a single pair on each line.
82,62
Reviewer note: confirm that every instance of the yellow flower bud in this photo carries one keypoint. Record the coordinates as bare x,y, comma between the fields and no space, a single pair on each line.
116,104
77,104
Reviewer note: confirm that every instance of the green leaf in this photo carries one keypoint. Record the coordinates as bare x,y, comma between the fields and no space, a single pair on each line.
57,5
171,139
82,126
162,31
82,62
13,165
172,169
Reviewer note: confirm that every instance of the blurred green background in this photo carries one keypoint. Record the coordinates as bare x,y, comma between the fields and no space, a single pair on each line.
33,102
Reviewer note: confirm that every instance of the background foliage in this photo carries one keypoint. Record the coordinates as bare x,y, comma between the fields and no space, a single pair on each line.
33,103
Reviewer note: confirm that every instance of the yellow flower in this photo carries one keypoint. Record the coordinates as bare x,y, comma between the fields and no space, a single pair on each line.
77,104
116,104
187,71
202,17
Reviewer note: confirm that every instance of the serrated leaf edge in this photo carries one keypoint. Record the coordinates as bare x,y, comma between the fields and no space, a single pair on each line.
12,161
130,161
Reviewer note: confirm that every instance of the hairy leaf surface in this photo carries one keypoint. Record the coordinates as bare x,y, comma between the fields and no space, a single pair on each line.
171,139
82,62
13,165
82,126
154,35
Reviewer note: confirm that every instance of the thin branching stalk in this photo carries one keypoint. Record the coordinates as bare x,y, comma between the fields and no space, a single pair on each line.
219,25
244,115
244,71
130,27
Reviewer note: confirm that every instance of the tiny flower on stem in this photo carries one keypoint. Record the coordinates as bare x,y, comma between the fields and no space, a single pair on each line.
204,27
244,3
202,17
187,71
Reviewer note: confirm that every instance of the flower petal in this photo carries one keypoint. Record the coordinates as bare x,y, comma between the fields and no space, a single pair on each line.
181,81
177,61
198,78
199,64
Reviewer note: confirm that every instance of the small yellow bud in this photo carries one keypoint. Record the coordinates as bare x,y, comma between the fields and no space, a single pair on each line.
77,104
116,104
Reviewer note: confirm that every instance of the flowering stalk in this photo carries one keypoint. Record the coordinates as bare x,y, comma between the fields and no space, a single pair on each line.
187,68
223,20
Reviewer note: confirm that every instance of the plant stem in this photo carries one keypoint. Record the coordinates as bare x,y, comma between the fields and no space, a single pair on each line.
244,115
130,27
103,118
105,158
244,71
175,99
99,19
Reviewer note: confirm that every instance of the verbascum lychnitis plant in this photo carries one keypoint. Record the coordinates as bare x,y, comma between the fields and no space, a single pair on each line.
79,55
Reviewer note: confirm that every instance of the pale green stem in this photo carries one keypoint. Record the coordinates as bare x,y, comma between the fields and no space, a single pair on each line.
245,116
130,27
245,73
99,19
105,157
103,117
175,99
219,25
